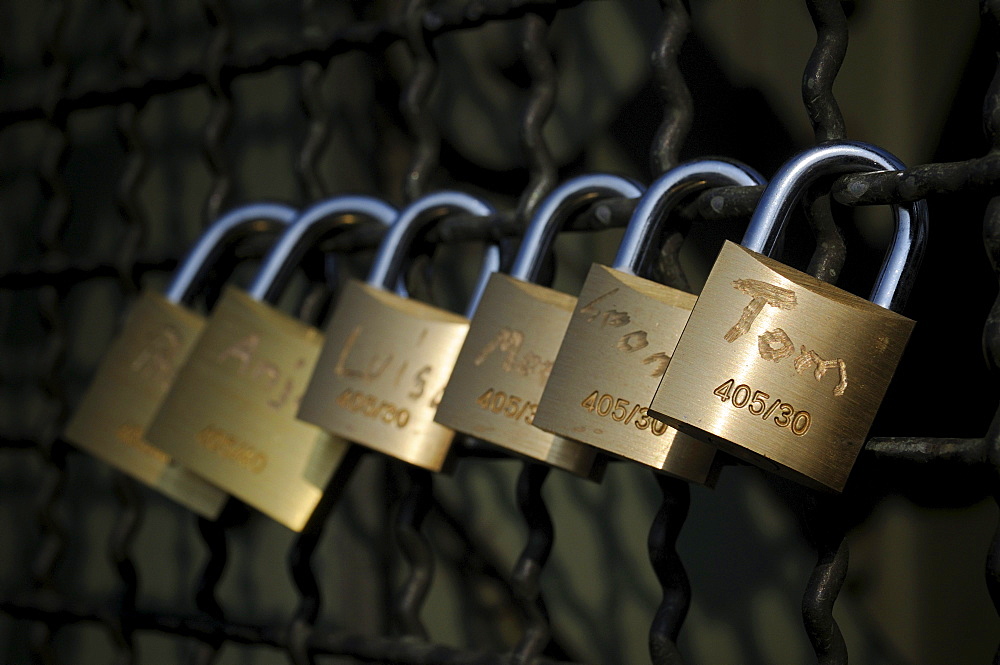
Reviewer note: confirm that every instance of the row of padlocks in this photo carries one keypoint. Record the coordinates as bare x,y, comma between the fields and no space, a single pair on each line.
767,364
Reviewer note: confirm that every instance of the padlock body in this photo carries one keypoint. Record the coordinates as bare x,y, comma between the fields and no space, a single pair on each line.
781,369
380,375
502,369
617,345
230,415
131,381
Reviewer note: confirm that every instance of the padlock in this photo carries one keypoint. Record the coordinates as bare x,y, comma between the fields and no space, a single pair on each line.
621,336
230,415
386,359
782,369
514,337
142,362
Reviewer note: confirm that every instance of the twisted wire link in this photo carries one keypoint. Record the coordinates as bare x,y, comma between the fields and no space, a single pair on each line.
824,113
300,562
129,519
827,121
821,71
678,115
669,569
678,107
220,117
416,550
126,527
53,533
525,581
311,77
990,14
415,102
542,72
213,534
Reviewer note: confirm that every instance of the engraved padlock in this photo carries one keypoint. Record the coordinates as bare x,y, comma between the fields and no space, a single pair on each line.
386,359
514,337
230,415
782,369
142,362
621,336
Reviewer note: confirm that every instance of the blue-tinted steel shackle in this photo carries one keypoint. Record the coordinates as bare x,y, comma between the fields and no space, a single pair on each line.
387,267
554,210
245,220
664,194
837,157
314,222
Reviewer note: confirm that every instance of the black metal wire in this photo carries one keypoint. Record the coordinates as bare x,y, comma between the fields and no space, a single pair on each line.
416,550
525,579
669,568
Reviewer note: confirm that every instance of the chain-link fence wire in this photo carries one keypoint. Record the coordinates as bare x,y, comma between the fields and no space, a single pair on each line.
124,135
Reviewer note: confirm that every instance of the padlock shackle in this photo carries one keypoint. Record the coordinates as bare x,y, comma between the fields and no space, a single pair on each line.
339,212
664,194
387,267
899,267
242,221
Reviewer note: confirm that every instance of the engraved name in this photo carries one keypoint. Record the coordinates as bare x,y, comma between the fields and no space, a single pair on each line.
268,375
384,367
228,447
775,345
629,342
514,358
131,436
157,360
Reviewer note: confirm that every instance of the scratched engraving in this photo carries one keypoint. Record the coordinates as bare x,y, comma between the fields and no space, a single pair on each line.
377,365
761,293
261,371
158,359
509,342
810,359
659,360
228,447
775,345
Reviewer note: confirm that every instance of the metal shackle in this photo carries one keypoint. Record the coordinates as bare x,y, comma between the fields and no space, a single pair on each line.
242,221
839,157
554,210
314,222
387,267
664,194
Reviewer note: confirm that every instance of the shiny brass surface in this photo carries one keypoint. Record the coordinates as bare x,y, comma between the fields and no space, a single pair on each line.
617,345
379,378
230,415
781,369
128,387
502,369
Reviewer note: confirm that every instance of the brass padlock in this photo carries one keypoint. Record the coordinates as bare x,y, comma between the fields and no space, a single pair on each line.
514,337
621,336
230,415
386,359
142,362
779,368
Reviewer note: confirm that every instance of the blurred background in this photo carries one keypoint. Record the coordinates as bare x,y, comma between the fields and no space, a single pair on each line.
103,199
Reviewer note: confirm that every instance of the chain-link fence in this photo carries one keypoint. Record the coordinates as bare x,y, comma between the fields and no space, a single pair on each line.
126,128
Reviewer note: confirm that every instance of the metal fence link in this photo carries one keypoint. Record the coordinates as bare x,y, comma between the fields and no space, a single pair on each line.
678,107
57,613
662,543
525,578
990,14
